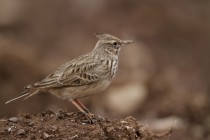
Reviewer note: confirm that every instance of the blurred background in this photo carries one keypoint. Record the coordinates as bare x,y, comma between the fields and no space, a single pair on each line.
163,78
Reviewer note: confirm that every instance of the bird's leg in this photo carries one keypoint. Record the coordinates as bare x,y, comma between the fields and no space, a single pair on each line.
82,110
82,106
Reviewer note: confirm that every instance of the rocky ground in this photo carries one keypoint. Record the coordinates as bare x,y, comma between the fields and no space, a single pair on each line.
63,125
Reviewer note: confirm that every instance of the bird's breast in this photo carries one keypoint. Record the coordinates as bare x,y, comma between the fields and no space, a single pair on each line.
112,67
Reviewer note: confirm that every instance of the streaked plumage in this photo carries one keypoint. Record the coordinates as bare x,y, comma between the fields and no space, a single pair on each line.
83,76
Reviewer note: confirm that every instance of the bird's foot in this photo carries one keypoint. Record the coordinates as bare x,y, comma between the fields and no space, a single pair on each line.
92,118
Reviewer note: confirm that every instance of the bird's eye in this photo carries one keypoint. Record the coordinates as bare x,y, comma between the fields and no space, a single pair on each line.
115,44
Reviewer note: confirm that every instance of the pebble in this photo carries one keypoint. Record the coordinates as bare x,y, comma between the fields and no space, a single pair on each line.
76,136
31,124
55,128
110,129
13,119
123,121
21,132
46,136
9,129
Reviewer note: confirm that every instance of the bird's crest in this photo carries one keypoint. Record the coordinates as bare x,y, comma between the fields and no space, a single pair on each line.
104,36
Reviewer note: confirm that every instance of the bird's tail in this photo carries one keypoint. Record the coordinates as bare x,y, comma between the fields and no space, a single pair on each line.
26,93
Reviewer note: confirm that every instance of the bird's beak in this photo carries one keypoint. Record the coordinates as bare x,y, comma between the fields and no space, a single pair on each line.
126,42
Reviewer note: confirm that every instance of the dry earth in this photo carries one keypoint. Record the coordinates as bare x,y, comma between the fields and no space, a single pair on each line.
62,125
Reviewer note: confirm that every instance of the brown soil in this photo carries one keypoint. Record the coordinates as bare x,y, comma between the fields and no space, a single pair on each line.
62,125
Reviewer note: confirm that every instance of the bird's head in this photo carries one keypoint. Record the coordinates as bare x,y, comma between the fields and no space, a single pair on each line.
109,44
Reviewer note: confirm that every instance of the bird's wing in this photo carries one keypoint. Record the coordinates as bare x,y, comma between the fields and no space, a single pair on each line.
77,72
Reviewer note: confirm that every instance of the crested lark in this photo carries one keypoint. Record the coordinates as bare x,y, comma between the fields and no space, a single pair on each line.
83,76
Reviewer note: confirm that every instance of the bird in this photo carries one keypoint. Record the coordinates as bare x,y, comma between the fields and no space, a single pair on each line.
83,76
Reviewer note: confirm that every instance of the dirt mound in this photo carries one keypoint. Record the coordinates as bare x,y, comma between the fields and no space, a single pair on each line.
62,125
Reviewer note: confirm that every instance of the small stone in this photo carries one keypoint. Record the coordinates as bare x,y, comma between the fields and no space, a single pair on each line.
45,135
31,124
110,129
9,129
13,119
55,128
123,121
21,132
128,127
75,136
